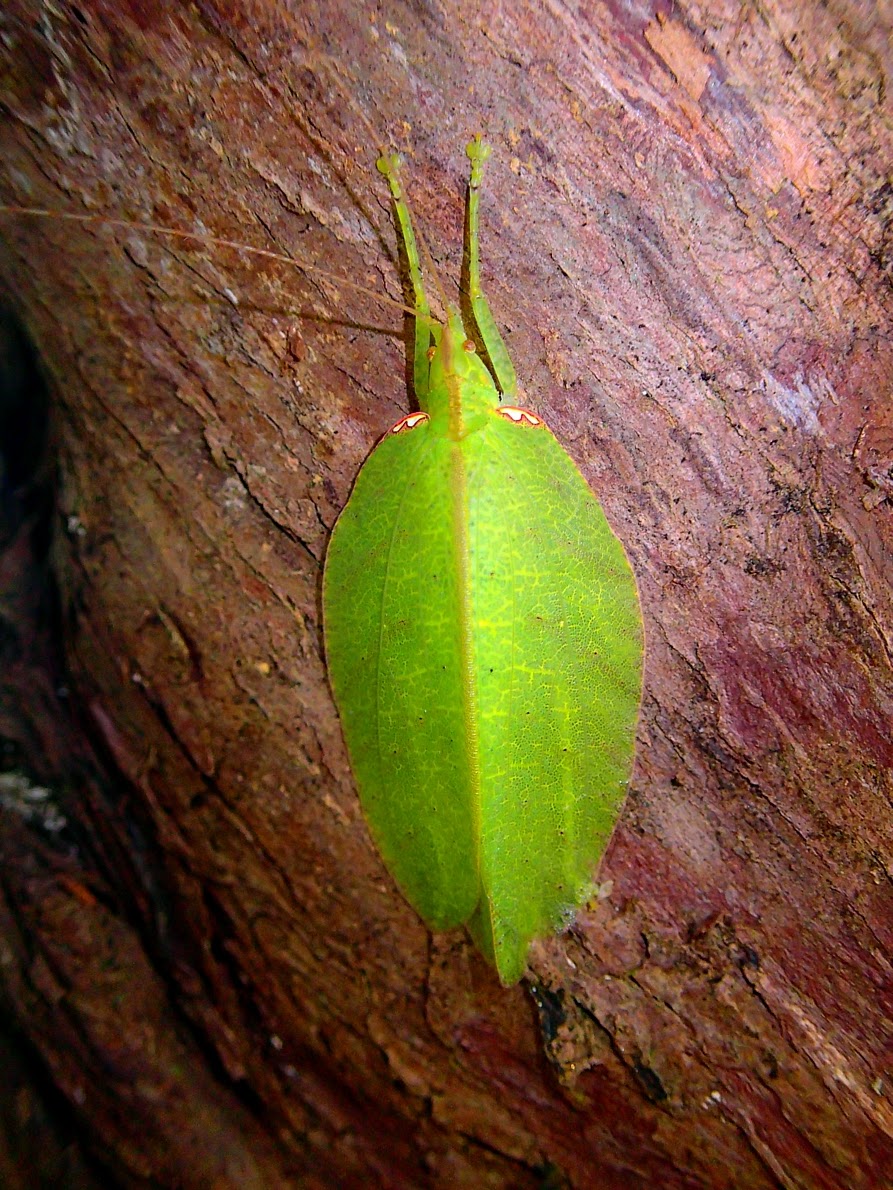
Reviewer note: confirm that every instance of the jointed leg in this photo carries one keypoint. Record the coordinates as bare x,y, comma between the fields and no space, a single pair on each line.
390,166
478,151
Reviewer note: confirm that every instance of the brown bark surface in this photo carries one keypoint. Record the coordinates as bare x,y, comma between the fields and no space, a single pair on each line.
686,235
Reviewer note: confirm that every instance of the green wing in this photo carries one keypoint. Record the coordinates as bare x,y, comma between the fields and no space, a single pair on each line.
558,649
392,603
484,644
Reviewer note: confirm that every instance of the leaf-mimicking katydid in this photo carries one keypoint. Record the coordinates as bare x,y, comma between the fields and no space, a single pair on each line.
483,640
483,634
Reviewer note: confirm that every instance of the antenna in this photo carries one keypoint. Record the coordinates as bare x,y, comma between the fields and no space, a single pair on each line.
219,242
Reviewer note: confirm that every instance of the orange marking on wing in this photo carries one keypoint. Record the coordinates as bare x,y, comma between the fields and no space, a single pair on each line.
409,422
519,416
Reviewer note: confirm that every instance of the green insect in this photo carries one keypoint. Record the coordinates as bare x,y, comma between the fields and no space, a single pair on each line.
483,639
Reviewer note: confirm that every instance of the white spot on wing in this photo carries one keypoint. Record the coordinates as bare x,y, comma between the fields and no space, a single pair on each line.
518,416
409,422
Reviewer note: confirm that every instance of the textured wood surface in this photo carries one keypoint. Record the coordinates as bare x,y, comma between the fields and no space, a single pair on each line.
686,236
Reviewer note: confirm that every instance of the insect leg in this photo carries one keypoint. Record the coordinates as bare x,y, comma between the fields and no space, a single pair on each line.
478,151
389,165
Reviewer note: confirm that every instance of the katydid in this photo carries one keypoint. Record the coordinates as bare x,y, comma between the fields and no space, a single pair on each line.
483,640
483,633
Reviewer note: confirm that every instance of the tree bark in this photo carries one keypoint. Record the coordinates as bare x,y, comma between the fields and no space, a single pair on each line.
686,236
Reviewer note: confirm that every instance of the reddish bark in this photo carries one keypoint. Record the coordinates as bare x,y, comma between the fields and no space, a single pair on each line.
686,232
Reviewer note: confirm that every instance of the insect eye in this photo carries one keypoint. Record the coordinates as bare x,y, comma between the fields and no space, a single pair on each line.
468,346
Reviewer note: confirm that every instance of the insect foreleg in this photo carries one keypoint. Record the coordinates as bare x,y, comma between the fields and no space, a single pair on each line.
478,151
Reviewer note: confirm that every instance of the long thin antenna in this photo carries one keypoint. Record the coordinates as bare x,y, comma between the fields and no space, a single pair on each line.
216,241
